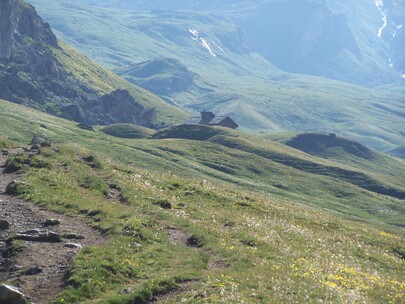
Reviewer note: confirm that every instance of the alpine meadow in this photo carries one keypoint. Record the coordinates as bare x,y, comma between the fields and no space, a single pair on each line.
202,151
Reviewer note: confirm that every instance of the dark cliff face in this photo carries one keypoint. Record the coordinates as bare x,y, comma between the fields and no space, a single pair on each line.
18,23
30,74
116,107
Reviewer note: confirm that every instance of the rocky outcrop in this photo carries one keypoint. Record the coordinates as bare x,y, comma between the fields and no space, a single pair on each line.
18,23
10,295
30,74
118,106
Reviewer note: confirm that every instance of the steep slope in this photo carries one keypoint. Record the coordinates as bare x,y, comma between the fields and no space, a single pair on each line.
30,72
38,71
185,232
229,76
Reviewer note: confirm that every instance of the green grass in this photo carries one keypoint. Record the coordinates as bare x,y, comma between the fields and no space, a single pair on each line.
271,241
4,143
231,157
263,235
127,131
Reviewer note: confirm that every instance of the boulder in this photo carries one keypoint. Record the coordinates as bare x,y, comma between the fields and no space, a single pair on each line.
33,271
37,140
3,247
51,222
4,225
73,236
15,188
11,295
72,246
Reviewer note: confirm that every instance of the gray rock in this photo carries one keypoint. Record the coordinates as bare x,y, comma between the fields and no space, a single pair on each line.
116,107
11,295
73,236
72,246
3,247
15,188
33,271
4,225
51,222
32,231
15,268
36,236
37,140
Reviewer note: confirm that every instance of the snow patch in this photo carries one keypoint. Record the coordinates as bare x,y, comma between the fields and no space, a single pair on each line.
207,46
219,46
194,32
196,37
380,5
398,27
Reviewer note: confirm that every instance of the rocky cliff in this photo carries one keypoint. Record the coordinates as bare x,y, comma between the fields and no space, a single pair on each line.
116,107
30,74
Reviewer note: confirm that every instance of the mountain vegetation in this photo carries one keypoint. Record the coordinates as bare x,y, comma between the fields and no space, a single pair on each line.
109,211
204,55
200,221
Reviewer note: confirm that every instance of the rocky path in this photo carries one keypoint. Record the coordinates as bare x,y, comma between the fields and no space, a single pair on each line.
49,241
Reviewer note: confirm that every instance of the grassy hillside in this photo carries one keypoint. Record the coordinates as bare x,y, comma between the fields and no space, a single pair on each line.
104,81
127,131
239,82
202,222
232,158
344,151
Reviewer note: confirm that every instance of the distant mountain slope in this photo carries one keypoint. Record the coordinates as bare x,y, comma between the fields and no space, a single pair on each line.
164,77
398,152
38,71
229,76
354,41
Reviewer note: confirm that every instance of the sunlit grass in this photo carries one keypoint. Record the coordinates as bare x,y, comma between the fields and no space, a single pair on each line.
268,226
